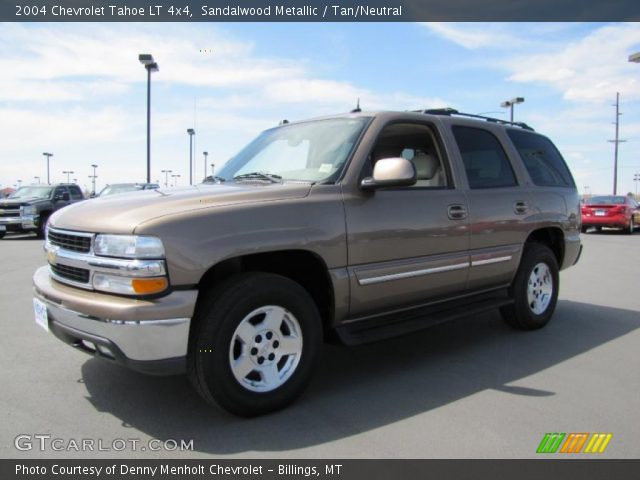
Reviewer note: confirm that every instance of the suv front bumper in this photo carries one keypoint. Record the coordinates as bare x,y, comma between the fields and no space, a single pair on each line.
150,336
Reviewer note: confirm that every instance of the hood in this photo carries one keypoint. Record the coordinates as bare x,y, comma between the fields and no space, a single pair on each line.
122,213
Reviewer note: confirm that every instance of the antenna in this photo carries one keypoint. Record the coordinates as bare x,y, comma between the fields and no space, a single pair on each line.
357,109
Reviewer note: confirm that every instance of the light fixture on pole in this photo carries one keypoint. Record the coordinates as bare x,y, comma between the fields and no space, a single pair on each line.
206,154
511,103
151,66
93,180
38,179
19,182
48,155
68,173
175,179
213,167
166,177
191,133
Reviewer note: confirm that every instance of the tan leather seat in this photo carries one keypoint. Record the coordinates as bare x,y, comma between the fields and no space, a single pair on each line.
428,169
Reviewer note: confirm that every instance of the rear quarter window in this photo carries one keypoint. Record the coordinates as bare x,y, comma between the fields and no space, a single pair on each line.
542,159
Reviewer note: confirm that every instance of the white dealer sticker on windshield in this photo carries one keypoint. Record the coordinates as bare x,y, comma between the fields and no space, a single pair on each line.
325,168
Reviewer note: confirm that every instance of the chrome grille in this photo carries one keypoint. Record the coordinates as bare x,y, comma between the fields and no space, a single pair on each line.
74,274
69,241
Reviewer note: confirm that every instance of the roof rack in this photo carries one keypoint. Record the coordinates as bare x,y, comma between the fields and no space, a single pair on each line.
453,111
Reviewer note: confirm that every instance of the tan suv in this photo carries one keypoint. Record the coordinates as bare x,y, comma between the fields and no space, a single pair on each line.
350,228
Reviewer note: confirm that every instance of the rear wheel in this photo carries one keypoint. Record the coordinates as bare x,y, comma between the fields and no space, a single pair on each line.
534,289
631,227
257,341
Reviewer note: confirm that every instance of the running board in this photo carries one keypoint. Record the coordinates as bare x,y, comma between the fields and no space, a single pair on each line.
356,332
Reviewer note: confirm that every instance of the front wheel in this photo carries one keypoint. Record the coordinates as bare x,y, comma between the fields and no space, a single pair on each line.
256,342
534,289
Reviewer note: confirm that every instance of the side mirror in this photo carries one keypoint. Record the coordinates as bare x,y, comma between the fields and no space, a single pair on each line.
391,172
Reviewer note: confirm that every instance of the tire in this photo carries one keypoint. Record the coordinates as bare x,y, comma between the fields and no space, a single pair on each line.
631,227
2,235
534,289
235,358
42,224
584,229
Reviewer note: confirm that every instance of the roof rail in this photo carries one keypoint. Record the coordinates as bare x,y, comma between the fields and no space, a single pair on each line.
453,111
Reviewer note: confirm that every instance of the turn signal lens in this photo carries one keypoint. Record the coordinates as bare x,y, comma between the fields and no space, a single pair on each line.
147,286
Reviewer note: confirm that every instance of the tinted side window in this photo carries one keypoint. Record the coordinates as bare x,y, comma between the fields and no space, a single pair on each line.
485,161
59,191
76,193
542,159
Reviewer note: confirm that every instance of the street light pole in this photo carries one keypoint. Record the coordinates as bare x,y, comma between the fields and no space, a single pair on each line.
206,154
636,179
166,177
511,103
68,173
616,141
175,179
191,133
151,66
213,167
38,179
93,179
48,155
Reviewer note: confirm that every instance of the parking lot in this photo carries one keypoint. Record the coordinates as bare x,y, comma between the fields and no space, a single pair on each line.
472,388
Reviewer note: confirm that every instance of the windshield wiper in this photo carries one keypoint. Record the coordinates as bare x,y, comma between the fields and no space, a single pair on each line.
259,176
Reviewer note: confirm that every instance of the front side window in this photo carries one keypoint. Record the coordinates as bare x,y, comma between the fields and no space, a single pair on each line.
312,151
542,159
485,161
415,142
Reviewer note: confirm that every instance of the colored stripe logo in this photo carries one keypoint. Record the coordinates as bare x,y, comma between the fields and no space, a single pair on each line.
574,443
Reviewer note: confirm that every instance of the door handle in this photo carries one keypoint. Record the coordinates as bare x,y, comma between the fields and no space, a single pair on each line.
457,212
520,208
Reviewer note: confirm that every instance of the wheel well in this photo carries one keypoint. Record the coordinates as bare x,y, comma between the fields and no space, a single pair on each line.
553,238
301,266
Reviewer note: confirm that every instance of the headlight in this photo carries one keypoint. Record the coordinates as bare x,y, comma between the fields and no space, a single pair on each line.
129,286
27,210
128,246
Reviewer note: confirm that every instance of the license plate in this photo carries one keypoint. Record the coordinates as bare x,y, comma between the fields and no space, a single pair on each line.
599,213
40,309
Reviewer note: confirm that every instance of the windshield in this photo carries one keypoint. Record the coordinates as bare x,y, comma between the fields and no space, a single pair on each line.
607,200
32,192
113,189
311,152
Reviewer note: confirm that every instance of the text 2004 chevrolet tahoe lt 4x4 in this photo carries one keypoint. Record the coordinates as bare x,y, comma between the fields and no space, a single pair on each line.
354,228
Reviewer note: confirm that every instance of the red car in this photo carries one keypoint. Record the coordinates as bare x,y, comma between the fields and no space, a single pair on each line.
614,211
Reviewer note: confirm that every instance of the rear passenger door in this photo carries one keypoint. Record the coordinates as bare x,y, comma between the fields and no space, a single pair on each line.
499,208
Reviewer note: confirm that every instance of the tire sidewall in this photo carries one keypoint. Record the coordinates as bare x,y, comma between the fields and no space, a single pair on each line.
535,254
219,324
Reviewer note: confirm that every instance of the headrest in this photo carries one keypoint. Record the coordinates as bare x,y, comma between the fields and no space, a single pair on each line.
426,165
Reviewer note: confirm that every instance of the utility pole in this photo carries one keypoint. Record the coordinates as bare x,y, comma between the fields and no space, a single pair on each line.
615,144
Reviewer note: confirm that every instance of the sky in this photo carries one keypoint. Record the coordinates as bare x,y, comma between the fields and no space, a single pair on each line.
79,92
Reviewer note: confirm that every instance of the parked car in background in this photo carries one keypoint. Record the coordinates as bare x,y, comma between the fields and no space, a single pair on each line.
28,208
613,211
116,188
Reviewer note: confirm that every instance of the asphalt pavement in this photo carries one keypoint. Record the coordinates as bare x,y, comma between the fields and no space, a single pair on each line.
472,388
